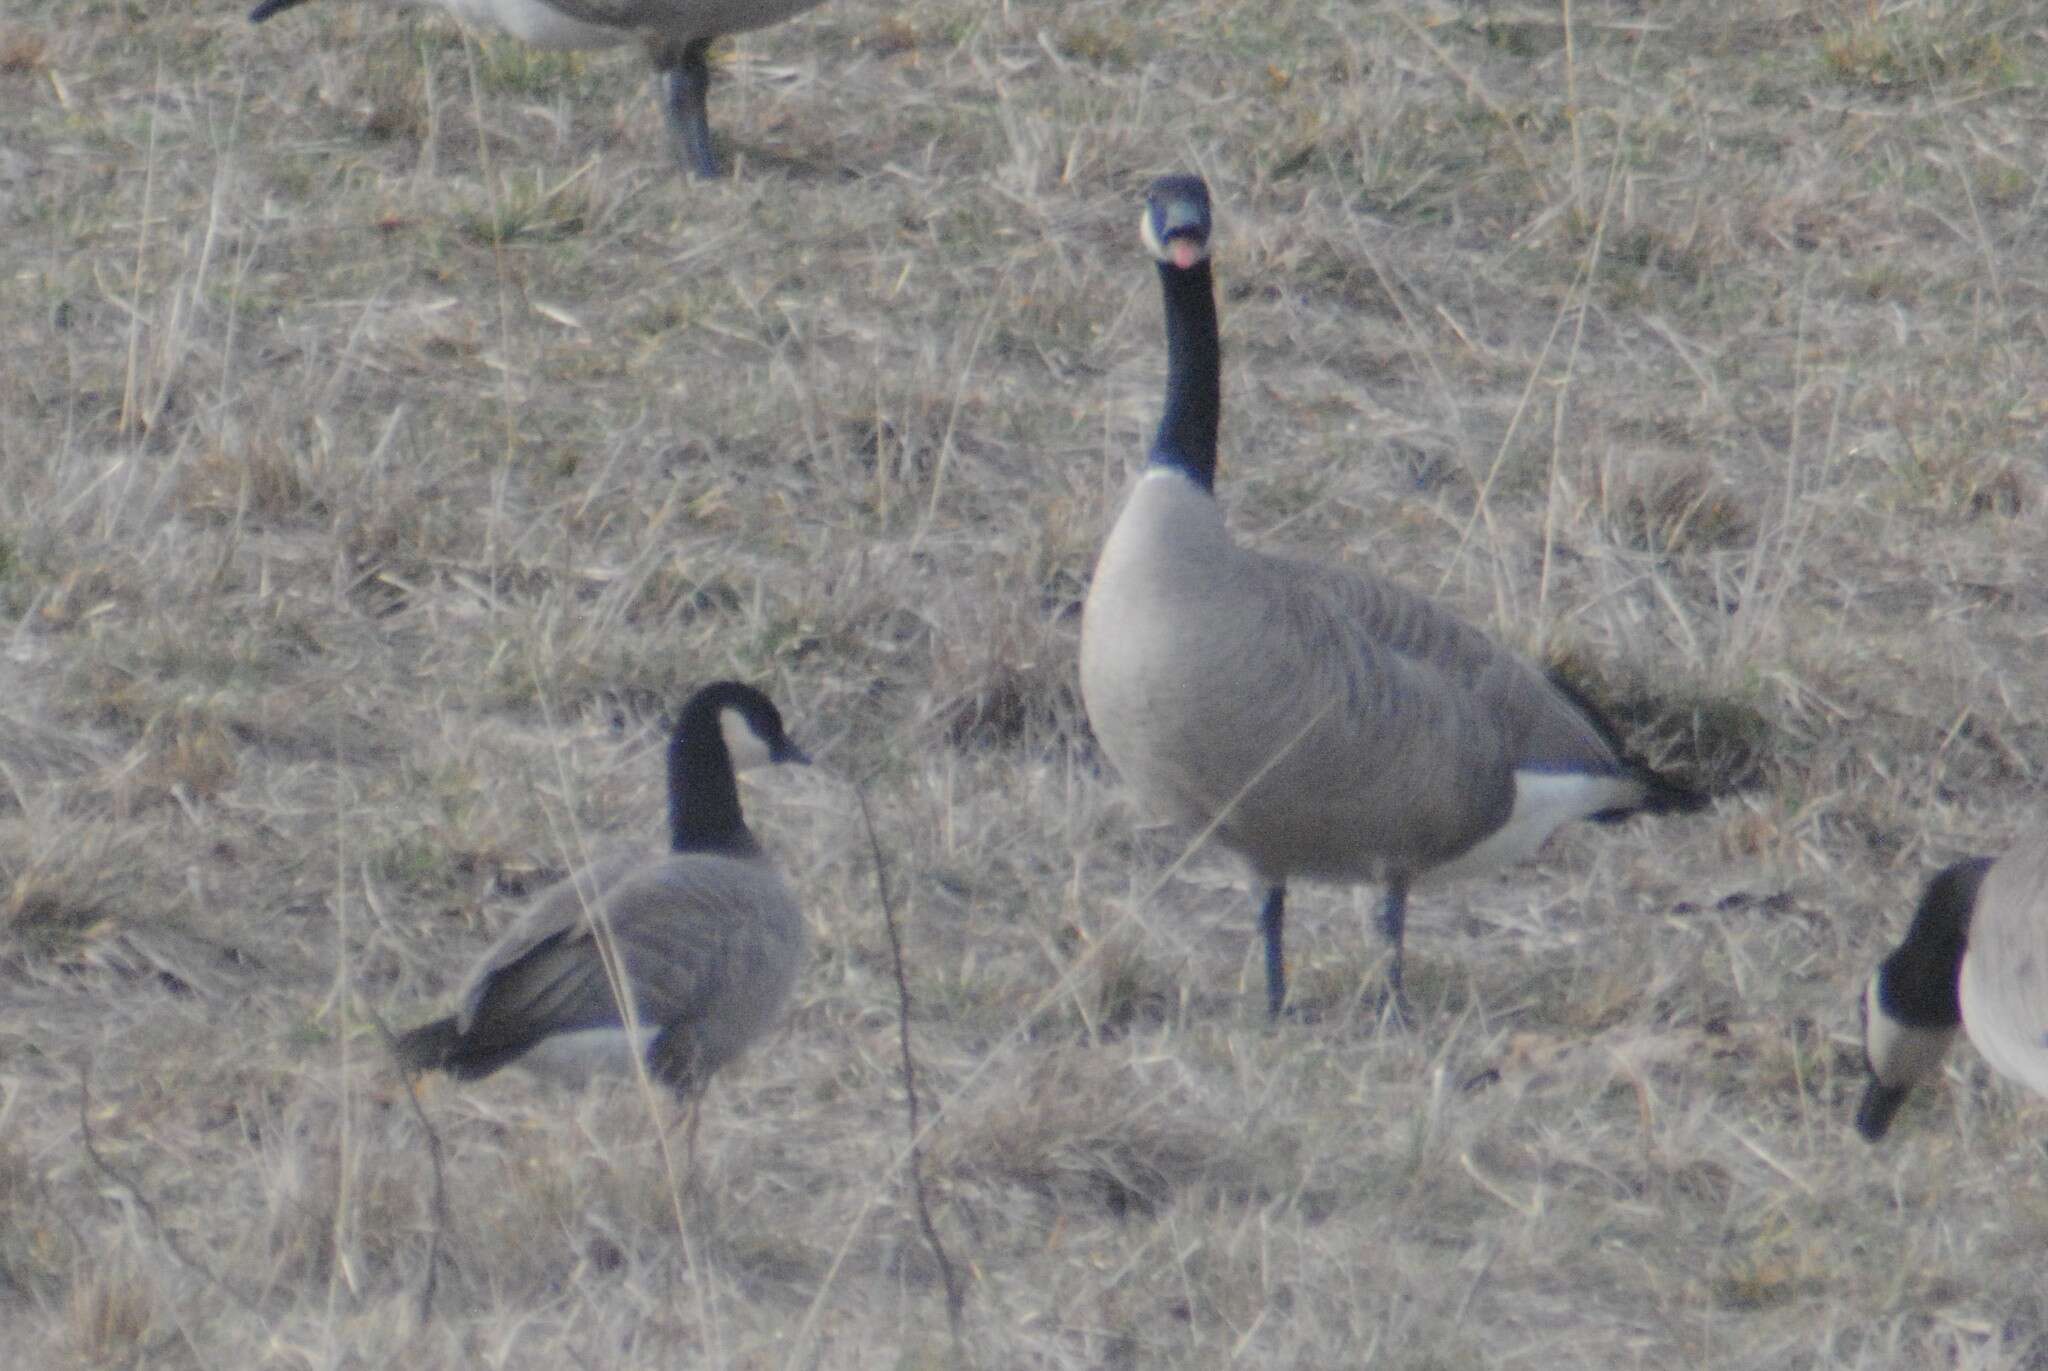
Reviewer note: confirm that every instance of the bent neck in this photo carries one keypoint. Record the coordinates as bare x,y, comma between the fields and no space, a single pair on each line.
1194,371
703,798
1917,983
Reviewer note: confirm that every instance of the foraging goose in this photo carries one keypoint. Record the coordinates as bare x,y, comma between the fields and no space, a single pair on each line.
1975,957
707,935
1330,725
676,33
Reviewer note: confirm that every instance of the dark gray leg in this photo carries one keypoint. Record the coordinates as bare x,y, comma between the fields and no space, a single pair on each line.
684,83
1270,917
1393,923
690,1137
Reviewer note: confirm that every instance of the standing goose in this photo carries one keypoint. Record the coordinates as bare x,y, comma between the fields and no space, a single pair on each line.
707,935
676,33
1975,957
1329,725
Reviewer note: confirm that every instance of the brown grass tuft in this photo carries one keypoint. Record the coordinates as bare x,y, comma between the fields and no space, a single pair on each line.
260,482
1721,744
188,755
38,1250
110,1311
1681,506
1090,1140
52,916
22,51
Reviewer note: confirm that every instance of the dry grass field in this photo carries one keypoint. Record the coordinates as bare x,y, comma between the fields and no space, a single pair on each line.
390,440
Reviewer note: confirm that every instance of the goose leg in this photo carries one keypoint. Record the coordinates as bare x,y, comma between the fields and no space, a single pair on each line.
690,1138
1271,914
685,77
1393,923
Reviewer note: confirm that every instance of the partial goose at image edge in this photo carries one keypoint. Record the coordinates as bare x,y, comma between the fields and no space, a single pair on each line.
1973,960
676,34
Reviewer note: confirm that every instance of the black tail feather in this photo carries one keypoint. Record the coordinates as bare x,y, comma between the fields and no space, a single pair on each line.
270,7
441,1046
428,1047
1662,795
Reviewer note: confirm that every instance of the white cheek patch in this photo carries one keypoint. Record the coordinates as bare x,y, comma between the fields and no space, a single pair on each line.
746,747
1900,1054
1151,239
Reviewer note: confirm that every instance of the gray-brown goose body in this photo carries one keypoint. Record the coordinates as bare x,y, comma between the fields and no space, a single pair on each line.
1975,959
708,935
677,35
1331,725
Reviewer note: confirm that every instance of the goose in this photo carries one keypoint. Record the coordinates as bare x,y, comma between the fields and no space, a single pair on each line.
1318,722
676,33
1975,957
706,935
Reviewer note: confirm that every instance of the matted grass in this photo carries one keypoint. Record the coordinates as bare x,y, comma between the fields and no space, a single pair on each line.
390,439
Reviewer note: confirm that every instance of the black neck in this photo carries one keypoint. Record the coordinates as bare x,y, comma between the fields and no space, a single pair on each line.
1194,374
1918,982
703,799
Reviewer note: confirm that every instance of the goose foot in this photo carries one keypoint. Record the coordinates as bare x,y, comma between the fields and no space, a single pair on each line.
1391,1011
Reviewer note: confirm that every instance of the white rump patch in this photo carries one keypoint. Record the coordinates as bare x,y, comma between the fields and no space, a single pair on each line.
1543,800
573,1058
1900,1054
747,748
538,23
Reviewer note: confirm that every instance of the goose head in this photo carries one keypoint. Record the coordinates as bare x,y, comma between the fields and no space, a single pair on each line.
1176,222
1912,1005
747,722
724,728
